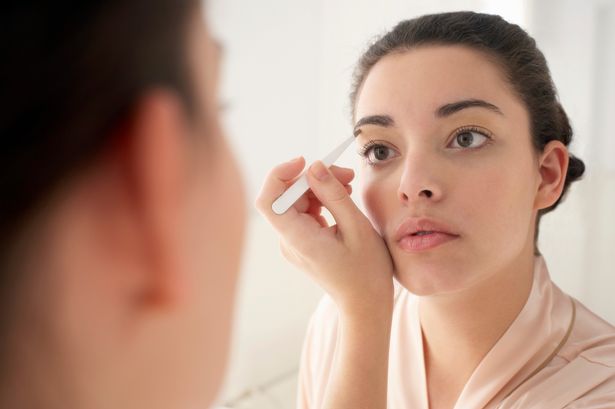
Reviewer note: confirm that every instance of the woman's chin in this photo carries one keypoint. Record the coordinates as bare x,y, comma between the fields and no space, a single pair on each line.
429,279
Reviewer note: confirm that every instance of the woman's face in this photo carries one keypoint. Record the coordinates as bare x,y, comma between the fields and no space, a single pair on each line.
446,139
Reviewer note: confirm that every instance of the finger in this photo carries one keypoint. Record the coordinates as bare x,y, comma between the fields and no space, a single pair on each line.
311,194
315,211
306,202
315,208
334,196
322,221
276,182
303,203
293,225
309,199
286,173
344,175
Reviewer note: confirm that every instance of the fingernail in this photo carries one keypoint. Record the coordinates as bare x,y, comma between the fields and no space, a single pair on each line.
295,159
319,171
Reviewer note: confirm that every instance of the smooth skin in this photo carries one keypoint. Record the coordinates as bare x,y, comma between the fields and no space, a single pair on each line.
488,190
132,269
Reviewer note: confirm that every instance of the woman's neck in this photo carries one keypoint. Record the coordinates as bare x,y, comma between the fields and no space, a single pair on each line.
459,329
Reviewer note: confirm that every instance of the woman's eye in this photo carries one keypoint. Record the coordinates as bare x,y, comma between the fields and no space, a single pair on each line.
469,139
378,153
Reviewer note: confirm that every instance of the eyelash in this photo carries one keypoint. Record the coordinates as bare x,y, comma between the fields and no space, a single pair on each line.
472,128
365,149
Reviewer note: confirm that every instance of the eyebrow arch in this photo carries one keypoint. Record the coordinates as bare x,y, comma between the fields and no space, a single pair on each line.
454,107
379,120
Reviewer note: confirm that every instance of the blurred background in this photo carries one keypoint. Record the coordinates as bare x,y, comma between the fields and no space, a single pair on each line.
287,71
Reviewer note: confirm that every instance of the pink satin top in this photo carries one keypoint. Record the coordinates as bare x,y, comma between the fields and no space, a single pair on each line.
555,354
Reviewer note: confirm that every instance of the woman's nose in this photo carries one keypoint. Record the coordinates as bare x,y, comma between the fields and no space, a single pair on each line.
419,183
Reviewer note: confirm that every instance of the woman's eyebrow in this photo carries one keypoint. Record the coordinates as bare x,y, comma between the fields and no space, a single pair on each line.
444,111
450,109
379,120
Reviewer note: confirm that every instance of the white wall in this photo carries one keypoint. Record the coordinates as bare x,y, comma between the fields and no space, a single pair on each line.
287,76
271,84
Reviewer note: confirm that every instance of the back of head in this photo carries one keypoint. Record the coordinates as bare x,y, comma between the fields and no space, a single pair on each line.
71,73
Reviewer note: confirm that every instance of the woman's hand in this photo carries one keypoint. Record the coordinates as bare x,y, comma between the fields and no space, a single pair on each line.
349,259
352,263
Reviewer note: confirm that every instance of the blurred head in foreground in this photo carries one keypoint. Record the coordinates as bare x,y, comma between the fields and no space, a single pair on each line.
122,208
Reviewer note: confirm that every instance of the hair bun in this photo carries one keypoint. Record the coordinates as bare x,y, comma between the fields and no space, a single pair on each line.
576,169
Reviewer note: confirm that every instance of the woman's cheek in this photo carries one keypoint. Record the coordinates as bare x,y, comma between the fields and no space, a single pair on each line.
493,203
377,197
370,191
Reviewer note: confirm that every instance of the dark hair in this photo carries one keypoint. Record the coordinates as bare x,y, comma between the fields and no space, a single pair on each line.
512,48
69,76
71,72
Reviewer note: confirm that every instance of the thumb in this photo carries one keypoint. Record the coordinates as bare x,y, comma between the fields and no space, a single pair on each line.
334,196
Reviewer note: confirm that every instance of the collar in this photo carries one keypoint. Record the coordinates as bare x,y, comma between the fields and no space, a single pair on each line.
530,342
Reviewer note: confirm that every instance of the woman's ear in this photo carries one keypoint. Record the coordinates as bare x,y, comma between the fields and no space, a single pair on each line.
155,162
552,168
128,208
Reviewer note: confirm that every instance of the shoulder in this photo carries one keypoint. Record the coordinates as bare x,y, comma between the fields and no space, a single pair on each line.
588,362
581,375
592,339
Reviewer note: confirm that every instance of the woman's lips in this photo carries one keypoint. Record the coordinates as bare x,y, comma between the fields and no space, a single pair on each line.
425,241
423,233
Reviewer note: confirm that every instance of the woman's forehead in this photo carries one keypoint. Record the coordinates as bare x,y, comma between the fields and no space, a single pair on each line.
422,80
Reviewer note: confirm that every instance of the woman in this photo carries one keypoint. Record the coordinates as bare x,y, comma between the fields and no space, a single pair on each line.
465,148
118,272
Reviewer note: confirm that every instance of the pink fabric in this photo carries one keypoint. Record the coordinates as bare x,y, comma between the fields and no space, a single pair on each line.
580,375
